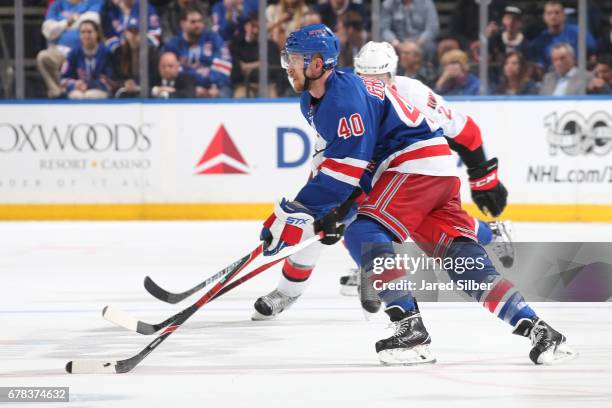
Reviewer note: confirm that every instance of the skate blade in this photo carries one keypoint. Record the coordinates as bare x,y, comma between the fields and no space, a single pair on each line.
413,356
561,354
257,317
349,290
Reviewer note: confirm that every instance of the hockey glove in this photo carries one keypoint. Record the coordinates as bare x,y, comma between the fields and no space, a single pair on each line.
289,224
331,228
332,224
488,192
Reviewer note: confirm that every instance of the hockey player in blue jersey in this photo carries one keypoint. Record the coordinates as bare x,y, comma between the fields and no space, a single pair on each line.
369,137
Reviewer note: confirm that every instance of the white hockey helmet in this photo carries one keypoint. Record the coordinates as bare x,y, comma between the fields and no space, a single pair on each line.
376,58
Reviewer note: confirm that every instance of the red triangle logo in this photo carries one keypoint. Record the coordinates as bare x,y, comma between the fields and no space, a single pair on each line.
222,144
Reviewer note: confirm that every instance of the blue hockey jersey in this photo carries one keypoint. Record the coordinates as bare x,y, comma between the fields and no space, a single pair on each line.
363,129
208,60
95,70
64,9
115,22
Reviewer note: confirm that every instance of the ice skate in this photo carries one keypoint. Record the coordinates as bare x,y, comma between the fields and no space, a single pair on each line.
502,242
410,343
549,346
269,306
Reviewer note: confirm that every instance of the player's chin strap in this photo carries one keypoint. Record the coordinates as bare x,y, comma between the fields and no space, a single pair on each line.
307,79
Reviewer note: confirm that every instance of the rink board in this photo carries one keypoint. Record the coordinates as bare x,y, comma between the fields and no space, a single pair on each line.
232,159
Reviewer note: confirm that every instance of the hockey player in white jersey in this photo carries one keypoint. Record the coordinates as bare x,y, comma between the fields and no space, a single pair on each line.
378,60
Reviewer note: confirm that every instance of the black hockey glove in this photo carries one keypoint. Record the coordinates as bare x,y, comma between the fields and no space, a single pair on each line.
330,227
488,192
330,223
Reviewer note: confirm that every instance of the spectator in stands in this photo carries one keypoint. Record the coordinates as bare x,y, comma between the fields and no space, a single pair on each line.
61,29
557,31
411,63
312,16
465,24
565,79
88,71
120,13
171,16
602,83
456,78
515,77
604,45
446,44
510,39
245,67
171,82
203,54
229,17
283,18
332,10
352,36
126,63
411,20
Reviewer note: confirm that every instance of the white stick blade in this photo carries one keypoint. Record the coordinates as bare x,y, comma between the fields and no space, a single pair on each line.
120,318
91,367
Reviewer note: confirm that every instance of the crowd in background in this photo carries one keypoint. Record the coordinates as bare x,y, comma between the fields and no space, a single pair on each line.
210,49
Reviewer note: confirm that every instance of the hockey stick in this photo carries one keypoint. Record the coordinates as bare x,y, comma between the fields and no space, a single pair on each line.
169,297
124,366
165,296
124,320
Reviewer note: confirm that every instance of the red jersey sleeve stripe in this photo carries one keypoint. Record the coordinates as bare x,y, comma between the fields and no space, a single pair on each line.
346,169
422,153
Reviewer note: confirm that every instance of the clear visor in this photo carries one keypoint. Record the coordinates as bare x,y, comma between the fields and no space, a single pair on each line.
291,60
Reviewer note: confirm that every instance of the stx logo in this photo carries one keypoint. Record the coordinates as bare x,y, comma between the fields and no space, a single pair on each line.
295,221
222,156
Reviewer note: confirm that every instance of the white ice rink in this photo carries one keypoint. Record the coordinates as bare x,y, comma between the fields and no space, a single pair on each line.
55,278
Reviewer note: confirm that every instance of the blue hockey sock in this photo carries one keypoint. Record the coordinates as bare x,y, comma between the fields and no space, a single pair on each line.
406,302
483,232
499,296
367,240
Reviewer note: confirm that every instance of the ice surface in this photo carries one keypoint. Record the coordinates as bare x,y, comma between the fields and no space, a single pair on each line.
55,278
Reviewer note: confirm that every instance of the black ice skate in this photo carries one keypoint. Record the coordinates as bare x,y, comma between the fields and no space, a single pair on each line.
349,284
549,346
269,306
502,242
410,343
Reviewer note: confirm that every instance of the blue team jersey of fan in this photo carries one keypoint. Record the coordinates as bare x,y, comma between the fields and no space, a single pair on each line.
364,128
64,9
208,59
115,22
95,70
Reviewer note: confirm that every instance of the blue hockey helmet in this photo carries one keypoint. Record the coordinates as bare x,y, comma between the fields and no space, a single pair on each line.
314,39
